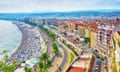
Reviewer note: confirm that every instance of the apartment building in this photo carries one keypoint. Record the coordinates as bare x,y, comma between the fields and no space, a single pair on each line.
93,35
115,52
104,36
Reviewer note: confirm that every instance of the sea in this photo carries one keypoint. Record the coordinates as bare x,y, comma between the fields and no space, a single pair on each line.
10,38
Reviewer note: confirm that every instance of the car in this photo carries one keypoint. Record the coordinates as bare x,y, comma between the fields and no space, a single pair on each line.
105,70
46,41
97,56
102,59
97,65
105,66
95,70
98,61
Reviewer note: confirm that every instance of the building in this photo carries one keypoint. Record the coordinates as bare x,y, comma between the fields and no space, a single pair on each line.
104,36
61,28
69,25
108,45
81,30
115,52
93,35
84,63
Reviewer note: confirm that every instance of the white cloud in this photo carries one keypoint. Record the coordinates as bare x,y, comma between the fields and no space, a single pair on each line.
56,5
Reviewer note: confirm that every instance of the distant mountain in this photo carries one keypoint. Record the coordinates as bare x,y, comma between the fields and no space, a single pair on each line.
108,13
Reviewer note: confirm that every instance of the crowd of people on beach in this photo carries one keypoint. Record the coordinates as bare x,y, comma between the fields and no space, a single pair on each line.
30,46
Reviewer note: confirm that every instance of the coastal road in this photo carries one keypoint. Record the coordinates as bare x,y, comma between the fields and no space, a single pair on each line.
57,60
64,59
50,52
62,62
67,61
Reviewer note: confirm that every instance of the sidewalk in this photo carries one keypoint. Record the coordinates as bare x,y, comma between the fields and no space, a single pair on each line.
68,61
57,62
44,47
102,66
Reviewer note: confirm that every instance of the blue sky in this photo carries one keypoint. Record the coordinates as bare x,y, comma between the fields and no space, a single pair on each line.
56,5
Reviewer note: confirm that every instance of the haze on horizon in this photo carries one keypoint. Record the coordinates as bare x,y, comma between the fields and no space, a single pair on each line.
8,6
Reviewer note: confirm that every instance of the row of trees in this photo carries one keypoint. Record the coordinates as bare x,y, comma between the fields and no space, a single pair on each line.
50,34
70,47
44,62
55,48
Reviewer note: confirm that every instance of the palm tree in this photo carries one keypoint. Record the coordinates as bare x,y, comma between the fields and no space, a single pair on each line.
4,51
49,63
6,58
44,62
15,62
1,66
9,68
44,58
27,69
4,67
41,65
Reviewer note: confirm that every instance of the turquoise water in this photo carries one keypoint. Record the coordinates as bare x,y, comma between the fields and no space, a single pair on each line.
10,37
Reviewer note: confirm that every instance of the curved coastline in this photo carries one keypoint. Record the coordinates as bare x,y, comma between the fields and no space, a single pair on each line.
10,42
22,37
31,44
22,40
20,43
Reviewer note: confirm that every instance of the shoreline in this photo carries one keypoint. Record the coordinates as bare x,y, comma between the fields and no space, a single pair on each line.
30,46
13,47
18,45
21,42
22,37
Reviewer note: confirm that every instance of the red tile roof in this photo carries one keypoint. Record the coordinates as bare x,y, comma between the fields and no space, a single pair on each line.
93,26
84,58
75,42
75,69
